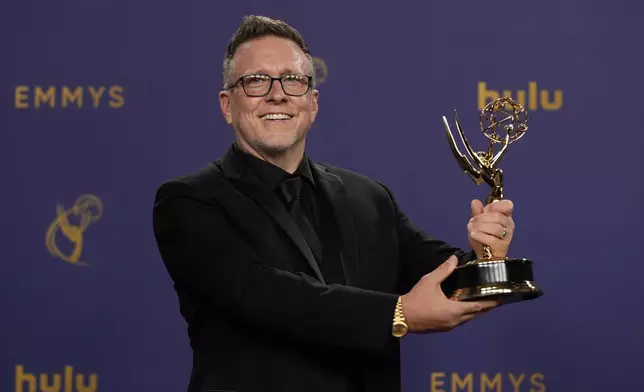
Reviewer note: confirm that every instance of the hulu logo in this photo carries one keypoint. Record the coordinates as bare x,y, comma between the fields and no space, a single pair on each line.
68,381
532,99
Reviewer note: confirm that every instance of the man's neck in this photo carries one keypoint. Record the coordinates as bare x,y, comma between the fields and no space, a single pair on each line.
288,160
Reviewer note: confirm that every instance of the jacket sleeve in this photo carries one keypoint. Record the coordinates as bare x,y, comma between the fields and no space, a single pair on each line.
205,254
420,253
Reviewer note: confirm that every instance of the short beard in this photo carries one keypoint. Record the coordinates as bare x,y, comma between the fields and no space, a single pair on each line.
273,150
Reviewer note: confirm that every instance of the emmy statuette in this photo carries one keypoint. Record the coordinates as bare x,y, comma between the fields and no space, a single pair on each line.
489,277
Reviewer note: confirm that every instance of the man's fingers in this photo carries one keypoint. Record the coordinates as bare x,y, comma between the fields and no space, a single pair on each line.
465,318
444,270
476,207
503,206
493,229
472,308
493,217
486,239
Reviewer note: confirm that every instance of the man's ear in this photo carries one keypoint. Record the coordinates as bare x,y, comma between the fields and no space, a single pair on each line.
315,96
224,105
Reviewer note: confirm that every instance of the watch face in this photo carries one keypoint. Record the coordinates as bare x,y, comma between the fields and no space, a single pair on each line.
399,329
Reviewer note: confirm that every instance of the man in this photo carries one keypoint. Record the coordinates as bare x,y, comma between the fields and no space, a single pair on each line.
291,274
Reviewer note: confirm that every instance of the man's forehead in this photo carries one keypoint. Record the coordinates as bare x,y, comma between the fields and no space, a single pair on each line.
270,53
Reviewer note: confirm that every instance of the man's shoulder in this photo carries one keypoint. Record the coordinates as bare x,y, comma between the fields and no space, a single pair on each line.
354,180
198,182
199,176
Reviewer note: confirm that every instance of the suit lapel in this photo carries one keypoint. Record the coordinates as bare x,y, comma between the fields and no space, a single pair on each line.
333,189
250,185
271,204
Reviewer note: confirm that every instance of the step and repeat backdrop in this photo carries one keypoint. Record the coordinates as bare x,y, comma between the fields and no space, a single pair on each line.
101,101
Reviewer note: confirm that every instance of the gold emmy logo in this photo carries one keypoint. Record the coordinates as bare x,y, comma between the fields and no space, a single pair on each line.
484,382
68,380
65,96
533,99
72,224
321,70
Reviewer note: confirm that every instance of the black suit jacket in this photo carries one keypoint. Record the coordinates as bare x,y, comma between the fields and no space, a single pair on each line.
260,315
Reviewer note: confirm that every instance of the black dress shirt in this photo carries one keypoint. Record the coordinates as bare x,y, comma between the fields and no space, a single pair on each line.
319,212
314,205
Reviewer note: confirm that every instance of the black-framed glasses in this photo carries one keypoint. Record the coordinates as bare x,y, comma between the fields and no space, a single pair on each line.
259,85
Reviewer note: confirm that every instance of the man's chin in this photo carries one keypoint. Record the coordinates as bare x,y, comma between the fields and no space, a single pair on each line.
275,147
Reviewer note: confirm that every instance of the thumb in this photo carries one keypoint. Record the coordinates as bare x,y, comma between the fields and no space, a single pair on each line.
444,270
476,207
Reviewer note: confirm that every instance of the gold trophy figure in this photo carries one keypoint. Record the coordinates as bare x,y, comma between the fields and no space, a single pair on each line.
508,279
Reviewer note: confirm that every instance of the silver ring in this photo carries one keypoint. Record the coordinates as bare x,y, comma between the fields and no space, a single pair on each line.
505,232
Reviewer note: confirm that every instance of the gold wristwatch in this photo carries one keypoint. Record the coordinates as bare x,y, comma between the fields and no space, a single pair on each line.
399,328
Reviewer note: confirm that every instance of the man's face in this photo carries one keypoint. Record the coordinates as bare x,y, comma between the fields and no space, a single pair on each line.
275,122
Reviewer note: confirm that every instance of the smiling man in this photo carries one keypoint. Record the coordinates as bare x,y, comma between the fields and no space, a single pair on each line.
293,275
273,114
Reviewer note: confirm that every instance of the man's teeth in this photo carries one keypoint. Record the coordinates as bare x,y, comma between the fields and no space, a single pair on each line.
276,116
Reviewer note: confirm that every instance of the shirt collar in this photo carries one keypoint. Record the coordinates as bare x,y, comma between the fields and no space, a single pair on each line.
272,175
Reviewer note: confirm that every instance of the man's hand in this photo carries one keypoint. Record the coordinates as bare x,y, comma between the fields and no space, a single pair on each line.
491,225
427,309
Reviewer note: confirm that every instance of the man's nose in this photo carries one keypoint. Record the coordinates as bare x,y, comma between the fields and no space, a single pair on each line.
276,92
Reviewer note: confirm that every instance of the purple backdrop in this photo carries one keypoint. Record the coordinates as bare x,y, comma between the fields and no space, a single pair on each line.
105,100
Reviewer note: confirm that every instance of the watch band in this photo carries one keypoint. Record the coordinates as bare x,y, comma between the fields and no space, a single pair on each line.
399,327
